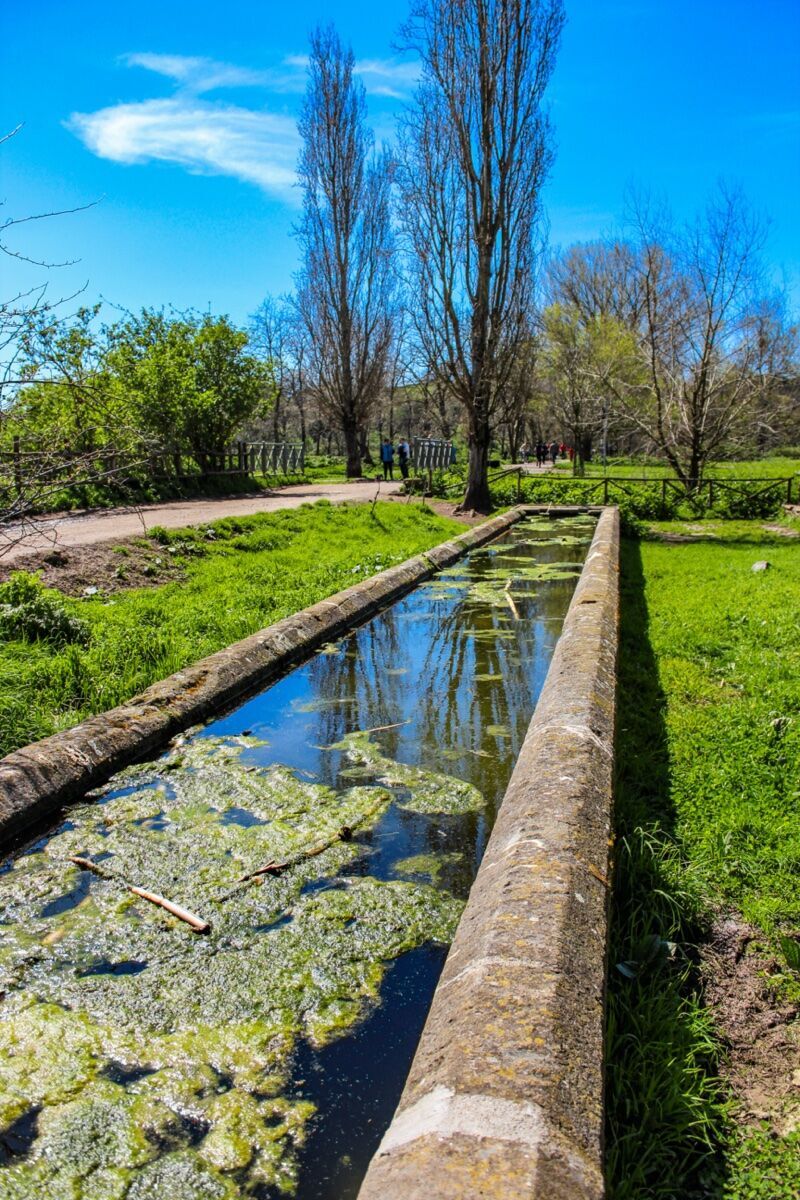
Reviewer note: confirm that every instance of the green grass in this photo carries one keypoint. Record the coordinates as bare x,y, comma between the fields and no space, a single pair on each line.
708,799
326,468
258,570
777,467
143,491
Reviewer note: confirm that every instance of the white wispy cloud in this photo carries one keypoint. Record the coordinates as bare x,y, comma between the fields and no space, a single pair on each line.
391,77
205,138
198,74
209,137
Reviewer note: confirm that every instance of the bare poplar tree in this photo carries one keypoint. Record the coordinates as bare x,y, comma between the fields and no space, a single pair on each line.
475,153
345,289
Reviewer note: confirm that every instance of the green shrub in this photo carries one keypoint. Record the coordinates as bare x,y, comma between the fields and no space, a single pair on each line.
748,501
29,613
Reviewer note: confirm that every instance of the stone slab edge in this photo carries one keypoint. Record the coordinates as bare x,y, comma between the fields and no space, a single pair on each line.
38,779
505,1094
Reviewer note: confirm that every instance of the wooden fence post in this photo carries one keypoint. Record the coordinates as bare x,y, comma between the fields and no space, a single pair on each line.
17,467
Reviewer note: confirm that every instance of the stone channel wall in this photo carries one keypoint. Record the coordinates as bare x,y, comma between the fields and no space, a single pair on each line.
38,779
505,1095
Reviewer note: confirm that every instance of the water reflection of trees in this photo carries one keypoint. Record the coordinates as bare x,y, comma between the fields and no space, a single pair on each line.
439,703
442,711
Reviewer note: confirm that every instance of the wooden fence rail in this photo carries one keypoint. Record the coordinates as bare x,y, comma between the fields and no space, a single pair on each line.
604,487
22,466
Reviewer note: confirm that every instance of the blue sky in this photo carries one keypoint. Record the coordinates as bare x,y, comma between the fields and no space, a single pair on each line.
179,119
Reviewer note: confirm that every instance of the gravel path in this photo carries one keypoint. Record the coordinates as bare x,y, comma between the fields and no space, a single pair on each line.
67,530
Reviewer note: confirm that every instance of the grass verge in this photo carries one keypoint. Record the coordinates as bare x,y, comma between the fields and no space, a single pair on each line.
247,573
777,467
707,805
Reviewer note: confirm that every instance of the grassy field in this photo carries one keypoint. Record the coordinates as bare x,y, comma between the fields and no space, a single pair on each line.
254,571
708,803
623,468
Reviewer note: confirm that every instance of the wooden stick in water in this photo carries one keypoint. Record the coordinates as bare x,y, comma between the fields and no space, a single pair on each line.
183,914
510,600
86,864
342,835
380,728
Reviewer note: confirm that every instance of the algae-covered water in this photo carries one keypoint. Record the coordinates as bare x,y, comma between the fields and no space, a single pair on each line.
328,832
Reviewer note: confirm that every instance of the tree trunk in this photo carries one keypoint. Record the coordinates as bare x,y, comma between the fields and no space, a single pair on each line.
276,414
352,448
477,495
363,439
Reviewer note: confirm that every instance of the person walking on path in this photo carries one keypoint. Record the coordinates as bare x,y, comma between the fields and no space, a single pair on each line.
403,455
387,458
553,452
540,453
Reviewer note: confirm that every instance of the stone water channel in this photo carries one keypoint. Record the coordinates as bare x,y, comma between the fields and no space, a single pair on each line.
328,830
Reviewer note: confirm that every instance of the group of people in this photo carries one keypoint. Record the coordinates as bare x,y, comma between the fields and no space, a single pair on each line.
544,451
403,451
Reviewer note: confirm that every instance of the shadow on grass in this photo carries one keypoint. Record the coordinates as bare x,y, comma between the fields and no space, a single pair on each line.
666,1117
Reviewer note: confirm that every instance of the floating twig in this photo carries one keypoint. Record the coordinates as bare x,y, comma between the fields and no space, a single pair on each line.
86,864
510,599
343,834
183,914
381,728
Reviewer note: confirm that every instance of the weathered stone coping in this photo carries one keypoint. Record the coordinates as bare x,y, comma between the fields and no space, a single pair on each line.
505,1095
38,779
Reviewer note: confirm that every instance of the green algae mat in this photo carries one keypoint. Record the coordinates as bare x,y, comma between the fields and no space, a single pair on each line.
154,1058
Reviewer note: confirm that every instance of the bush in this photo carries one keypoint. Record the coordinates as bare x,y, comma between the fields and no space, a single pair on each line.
29,613
748,501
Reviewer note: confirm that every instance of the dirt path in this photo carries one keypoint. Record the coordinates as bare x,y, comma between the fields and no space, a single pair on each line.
66,531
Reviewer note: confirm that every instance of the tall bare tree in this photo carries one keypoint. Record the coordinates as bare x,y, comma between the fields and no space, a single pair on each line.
475,152
346,286
598,280
700,341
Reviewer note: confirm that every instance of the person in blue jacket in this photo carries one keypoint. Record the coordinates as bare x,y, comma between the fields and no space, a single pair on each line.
387,458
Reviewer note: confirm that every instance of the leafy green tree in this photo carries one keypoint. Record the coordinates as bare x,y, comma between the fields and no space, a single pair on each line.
587,359
68,395
190,379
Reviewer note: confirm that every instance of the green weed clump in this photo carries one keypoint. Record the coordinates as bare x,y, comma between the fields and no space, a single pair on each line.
707,805
29,613
240,575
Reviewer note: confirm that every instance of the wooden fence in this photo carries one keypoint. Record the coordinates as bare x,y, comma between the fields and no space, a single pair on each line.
23,467
605,489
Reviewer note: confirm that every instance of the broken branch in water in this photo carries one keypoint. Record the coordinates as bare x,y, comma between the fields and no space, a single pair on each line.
381,728
183,914
344,834
86,864
509,598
